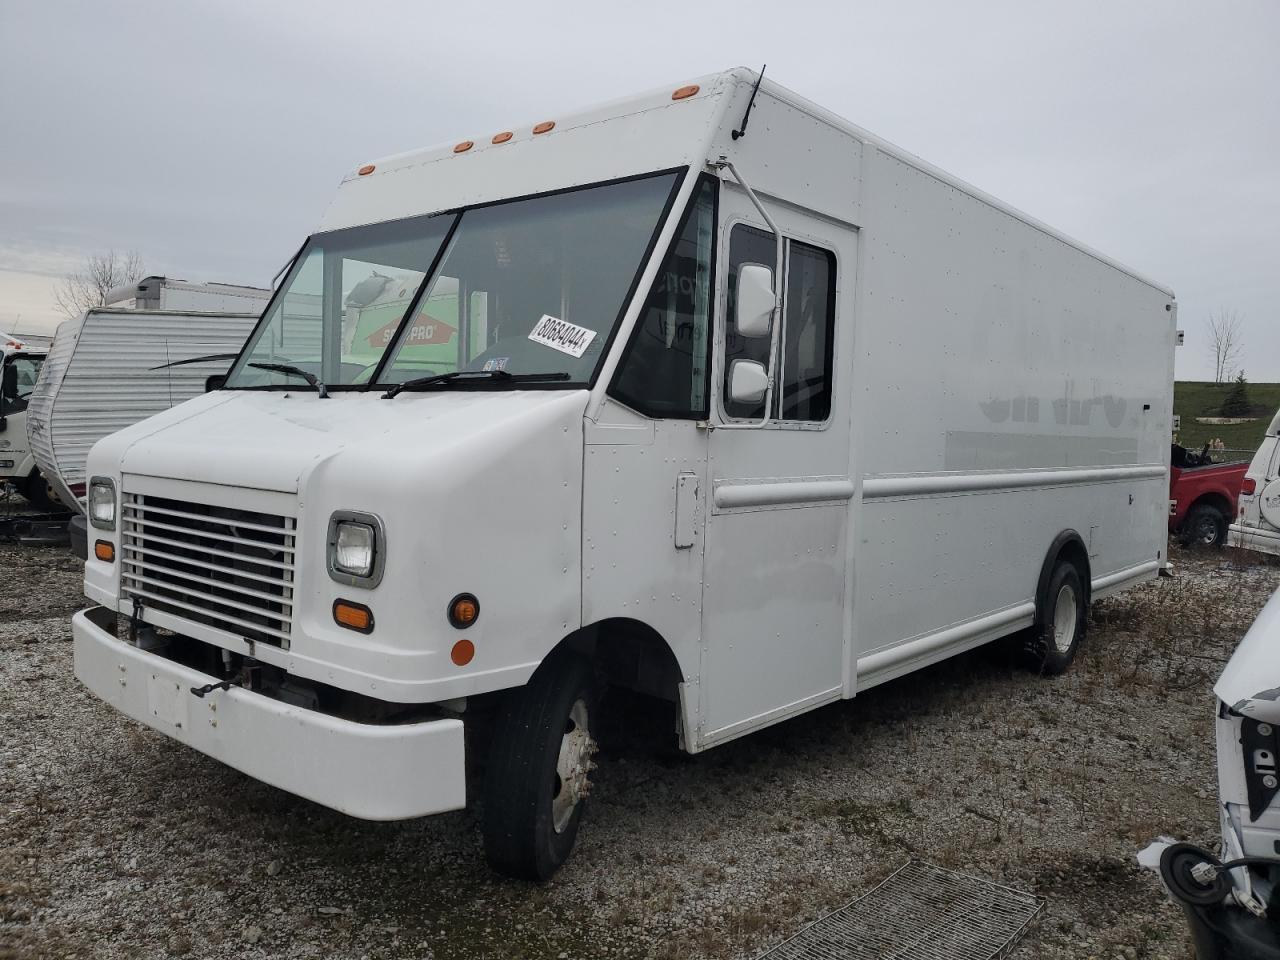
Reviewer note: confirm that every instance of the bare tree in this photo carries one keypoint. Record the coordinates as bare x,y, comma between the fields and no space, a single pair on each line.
1226,343
88,287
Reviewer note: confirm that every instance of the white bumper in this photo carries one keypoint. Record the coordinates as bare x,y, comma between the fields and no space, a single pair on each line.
375,772
1253,538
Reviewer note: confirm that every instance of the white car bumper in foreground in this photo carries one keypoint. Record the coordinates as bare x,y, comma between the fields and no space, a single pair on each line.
375,772
1253,538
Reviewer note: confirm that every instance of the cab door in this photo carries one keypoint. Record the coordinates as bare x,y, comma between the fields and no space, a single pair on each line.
779,478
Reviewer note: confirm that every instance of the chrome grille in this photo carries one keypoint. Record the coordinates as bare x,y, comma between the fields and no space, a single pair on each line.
220,566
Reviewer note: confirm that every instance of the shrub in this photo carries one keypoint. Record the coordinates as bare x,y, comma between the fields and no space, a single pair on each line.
1236,403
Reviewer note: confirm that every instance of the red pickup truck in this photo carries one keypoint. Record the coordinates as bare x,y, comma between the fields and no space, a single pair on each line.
1202,496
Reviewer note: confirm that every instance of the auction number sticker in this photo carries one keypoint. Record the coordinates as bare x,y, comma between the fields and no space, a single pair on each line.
561,335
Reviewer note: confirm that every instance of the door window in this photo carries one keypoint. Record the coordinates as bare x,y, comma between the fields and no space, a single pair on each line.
810,322
665,370
803,391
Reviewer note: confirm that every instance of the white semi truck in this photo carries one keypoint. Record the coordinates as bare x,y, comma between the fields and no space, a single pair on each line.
707,393
20,363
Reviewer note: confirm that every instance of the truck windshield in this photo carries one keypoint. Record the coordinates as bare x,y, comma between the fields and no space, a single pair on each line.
524,286
342,302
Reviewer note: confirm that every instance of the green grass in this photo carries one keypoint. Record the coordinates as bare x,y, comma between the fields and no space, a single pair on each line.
1192,398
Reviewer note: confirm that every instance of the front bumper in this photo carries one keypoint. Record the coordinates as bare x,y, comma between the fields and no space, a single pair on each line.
371,771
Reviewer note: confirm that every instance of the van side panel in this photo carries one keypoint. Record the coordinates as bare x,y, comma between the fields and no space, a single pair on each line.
1009,386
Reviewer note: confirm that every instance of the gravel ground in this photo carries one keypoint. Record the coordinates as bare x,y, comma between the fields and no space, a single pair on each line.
117,842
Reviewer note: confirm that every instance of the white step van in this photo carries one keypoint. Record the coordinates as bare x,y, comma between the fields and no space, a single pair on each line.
1257,526
706,393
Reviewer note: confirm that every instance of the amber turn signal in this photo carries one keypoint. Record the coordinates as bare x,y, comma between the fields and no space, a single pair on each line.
463,610
353,616
462,653
104,551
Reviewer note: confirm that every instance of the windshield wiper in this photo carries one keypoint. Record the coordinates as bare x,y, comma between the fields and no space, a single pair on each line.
306,375
465,376
206,359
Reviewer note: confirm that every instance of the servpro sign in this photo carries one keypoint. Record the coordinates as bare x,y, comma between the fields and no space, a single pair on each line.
425,331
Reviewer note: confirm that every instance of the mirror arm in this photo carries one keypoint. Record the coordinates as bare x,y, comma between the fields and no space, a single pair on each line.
724,163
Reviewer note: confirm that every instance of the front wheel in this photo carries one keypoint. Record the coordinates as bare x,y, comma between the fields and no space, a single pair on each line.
538,775
1060,624
1206,526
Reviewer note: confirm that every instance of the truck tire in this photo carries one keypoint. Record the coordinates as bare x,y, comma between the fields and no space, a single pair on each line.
1204,526
1062,619
38,493
538,774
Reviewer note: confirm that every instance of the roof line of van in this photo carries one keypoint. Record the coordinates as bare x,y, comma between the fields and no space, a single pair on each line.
793,99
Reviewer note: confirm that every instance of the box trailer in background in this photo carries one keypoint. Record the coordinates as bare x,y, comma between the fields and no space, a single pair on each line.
707,393
20,362
126,361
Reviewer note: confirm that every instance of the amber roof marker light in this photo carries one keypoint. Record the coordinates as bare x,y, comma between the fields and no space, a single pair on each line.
502,137
685,92
546,126
367,169
464,146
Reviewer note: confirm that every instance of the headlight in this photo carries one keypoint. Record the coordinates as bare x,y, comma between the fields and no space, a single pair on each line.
355,548
102,503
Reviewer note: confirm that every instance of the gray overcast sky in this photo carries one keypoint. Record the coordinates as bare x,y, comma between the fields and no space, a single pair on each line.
210,136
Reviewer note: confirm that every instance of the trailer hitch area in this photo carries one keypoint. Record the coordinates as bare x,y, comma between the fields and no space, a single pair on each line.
135,618
249,678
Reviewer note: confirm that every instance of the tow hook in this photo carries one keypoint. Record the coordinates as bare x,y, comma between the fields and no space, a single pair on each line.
250,678
210,687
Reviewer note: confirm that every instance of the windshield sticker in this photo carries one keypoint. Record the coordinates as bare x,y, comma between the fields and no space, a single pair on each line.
562,335
496,363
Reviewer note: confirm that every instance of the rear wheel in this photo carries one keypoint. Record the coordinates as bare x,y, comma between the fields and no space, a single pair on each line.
1205,526
1061,621
538,775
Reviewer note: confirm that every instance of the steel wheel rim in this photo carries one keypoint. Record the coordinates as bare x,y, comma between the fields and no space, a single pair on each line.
573,767
1208,531
1064,618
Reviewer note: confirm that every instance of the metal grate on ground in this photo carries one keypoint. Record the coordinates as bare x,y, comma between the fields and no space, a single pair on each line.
920,912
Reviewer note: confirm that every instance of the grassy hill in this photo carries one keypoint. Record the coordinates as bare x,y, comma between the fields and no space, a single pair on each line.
1193,399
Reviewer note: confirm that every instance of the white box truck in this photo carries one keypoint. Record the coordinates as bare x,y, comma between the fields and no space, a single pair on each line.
20,363
707,393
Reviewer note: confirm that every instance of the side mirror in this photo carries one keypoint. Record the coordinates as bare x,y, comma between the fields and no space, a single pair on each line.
748,381
755,300
9,382
214,382
4,423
